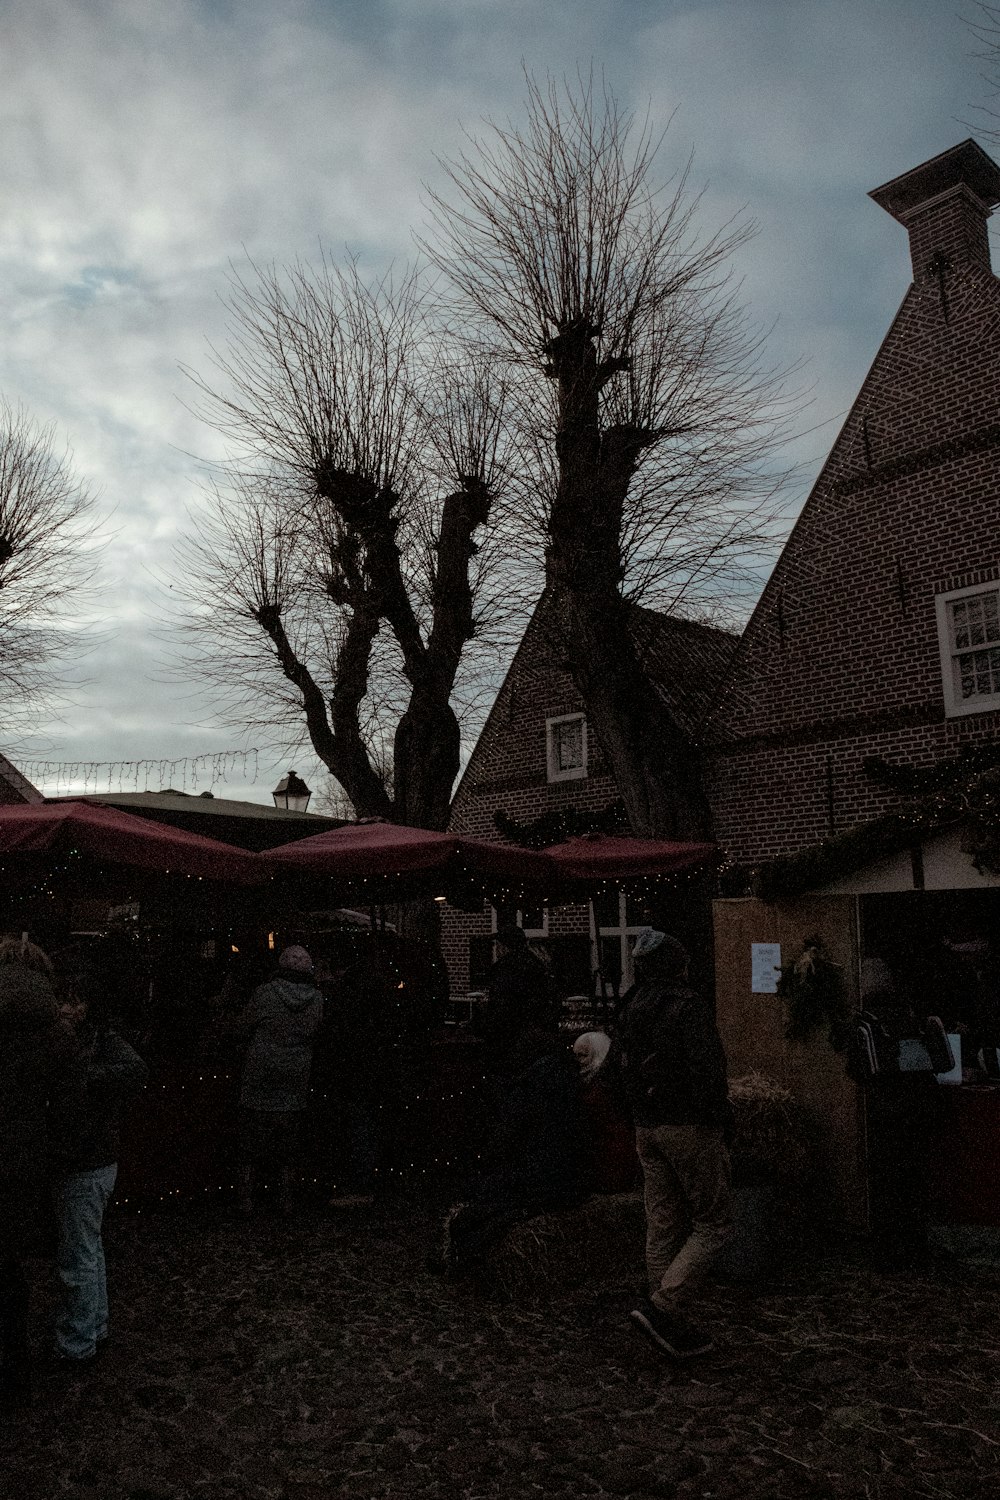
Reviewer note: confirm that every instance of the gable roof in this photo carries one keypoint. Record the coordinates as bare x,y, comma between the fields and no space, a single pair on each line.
684,660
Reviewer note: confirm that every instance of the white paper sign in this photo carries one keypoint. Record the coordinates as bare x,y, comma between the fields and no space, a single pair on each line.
765,962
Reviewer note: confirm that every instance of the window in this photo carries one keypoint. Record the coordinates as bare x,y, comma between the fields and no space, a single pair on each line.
616,920
969,638
566,742
533,919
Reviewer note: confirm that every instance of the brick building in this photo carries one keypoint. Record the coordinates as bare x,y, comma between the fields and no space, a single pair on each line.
536,755
877,639
878,633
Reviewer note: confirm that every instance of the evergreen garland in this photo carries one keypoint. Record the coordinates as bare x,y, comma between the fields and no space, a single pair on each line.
562,823
963,788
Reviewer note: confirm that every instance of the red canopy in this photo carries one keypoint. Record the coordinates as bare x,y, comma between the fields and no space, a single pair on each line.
392,853
362,850
599,856
119,838
388,852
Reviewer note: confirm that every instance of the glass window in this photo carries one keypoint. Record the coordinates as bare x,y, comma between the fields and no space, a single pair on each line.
969,636
566,747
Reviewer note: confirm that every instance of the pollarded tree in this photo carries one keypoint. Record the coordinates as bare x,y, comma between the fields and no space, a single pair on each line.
46,525
648,409
349,572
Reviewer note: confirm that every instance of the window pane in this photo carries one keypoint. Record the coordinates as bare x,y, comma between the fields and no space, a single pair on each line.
959,615
611,961
569,745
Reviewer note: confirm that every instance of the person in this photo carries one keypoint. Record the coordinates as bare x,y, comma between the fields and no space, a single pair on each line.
902,1118
85,1172
351,1065
280,1025
612,1136
41,1076
519,997
674,1071
536,1158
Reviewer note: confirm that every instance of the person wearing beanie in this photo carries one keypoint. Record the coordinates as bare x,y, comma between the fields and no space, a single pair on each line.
673,1066
280,1025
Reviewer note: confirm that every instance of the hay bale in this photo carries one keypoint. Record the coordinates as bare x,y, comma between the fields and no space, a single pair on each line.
601,1241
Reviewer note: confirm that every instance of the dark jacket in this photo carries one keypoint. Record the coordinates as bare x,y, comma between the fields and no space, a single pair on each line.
41,1096
520,998
670,1057
114,1073
281,1022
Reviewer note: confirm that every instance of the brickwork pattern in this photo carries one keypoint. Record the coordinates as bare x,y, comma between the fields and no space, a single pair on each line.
508,772
841,658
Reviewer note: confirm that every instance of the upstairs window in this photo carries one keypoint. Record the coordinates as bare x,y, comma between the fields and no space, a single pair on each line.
969,638
566,745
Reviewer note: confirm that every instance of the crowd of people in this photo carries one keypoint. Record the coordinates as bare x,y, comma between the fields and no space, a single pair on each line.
565,1117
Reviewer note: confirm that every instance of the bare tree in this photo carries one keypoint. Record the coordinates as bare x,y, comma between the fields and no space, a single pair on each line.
985,30
46,522
346,573
650,414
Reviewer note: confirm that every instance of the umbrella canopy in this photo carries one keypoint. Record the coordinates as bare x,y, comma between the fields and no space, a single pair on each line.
360,851
398,860
118,838
599,856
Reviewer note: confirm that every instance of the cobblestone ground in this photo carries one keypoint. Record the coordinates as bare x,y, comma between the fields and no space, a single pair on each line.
319,1359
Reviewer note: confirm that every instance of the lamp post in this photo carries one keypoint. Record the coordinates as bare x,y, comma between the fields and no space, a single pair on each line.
291,794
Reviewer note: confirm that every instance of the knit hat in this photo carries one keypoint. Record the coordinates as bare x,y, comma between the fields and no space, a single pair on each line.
646,942
296,960
658,952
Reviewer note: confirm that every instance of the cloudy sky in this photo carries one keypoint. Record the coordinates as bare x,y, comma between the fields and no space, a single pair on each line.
147,146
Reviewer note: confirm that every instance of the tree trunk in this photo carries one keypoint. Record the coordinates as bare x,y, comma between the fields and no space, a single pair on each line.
652,760
654,765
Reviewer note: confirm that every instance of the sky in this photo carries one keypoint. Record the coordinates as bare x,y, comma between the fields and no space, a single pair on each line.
149,147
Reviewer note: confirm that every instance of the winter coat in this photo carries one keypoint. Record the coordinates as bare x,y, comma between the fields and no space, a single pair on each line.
114,1073
41,1092
281,1022
670,1057
520,998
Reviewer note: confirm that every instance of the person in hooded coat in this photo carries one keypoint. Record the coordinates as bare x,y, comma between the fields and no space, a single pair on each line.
41,1074
280,1024
671,1060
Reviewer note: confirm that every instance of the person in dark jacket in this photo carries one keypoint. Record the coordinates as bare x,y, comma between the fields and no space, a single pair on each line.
86,1169
280,1024
40,1077
520,998
537,1158
674,1070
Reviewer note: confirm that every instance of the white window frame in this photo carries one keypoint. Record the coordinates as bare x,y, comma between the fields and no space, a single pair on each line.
574,773
954,704
529,932
626,932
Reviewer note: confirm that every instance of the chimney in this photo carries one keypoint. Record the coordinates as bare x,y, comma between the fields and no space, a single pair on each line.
944,205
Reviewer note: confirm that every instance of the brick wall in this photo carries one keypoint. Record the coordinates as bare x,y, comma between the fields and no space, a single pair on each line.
841,658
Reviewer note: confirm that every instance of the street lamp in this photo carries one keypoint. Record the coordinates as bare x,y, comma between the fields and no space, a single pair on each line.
291,794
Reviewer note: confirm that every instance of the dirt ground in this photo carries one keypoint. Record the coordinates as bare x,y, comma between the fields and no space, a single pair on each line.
319,1359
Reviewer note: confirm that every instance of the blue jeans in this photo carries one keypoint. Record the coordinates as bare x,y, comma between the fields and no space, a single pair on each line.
80,1201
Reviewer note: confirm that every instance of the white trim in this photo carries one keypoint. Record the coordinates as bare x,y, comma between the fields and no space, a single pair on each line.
573,773
955,705
529,932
